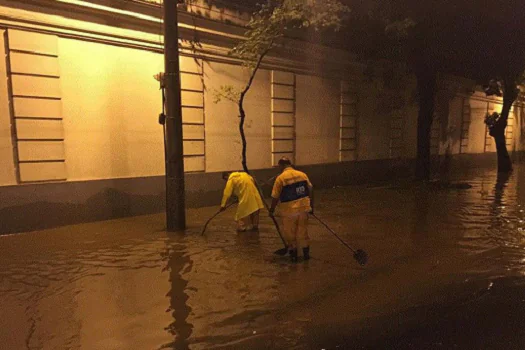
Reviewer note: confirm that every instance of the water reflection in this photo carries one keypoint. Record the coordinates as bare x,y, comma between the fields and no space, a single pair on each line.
178,263
498,208
248,239
420,216
228,290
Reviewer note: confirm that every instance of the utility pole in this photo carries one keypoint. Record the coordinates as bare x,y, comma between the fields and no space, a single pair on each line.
175,195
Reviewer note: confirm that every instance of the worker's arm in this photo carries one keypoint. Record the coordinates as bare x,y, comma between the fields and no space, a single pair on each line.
311,195
228,190
311,189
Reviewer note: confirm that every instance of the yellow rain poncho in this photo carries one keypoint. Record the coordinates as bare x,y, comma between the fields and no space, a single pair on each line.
243,187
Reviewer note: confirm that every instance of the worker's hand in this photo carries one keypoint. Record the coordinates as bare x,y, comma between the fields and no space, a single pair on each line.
272,212
222,209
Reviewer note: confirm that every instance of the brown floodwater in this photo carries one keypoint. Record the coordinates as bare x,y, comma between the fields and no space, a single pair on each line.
446,271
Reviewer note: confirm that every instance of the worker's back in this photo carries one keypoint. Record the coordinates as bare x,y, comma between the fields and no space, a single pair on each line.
244,188
292,188
243,184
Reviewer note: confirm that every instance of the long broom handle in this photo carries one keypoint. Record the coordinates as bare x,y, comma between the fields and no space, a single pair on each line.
333,232
214,216
277,227
272,217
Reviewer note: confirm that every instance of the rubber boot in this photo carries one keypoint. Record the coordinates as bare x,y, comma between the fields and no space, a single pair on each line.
306,253
293,255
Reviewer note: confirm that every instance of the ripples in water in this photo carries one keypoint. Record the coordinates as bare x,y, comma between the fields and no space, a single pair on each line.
127,285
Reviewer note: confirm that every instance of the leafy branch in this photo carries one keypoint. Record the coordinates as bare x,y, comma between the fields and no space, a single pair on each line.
267,26
226,92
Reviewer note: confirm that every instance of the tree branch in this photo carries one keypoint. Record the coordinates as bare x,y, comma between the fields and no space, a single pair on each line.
242,113
255,69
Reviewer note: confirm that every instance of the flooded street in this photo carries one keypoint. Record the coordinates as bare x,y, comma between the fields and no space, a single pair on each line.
446,271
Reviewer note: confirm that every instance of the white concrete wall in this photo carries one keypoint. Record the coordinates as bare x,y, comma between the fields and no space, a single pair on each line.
111,104
7,165
317,120
223,143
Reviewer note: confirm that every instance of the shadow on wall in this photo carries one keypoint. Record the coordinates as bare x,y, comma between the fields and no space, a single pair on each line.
42,206
107,204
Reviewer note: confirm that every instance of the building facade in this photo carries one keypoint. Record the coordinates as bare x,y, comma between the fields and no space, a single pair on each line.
79,132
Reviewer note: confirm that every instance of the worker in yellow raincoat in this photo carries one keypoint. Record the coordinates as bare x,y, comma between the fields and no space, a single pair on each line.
242,185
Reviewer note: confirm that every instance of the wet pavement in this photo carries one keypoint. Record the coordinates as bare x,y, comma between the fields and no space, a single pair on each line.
446,271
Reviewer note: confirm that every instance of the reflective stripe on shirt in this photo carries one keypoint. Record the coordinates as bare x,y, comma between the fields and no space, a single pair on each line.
294,192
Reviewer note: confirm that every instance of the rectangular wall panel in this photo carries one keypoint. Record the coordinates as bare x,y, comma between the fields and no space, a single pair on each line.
283,133
8,170
46,129
193,116
194,164
194,148
283,119
35,95
282,78
31,151
348,133
32,42
37,108
435,136
283,105
477,128
190,65
193,119
193,132
27,63
465,127
192,99
33,86
283,146
190,81
509,131
397,142
283,91
283,116
42,171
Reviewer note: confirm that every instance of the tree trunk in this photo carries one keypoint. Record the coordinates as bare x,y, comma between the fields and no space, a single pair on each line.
242,112
498,130
504,162
426,84
242,118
